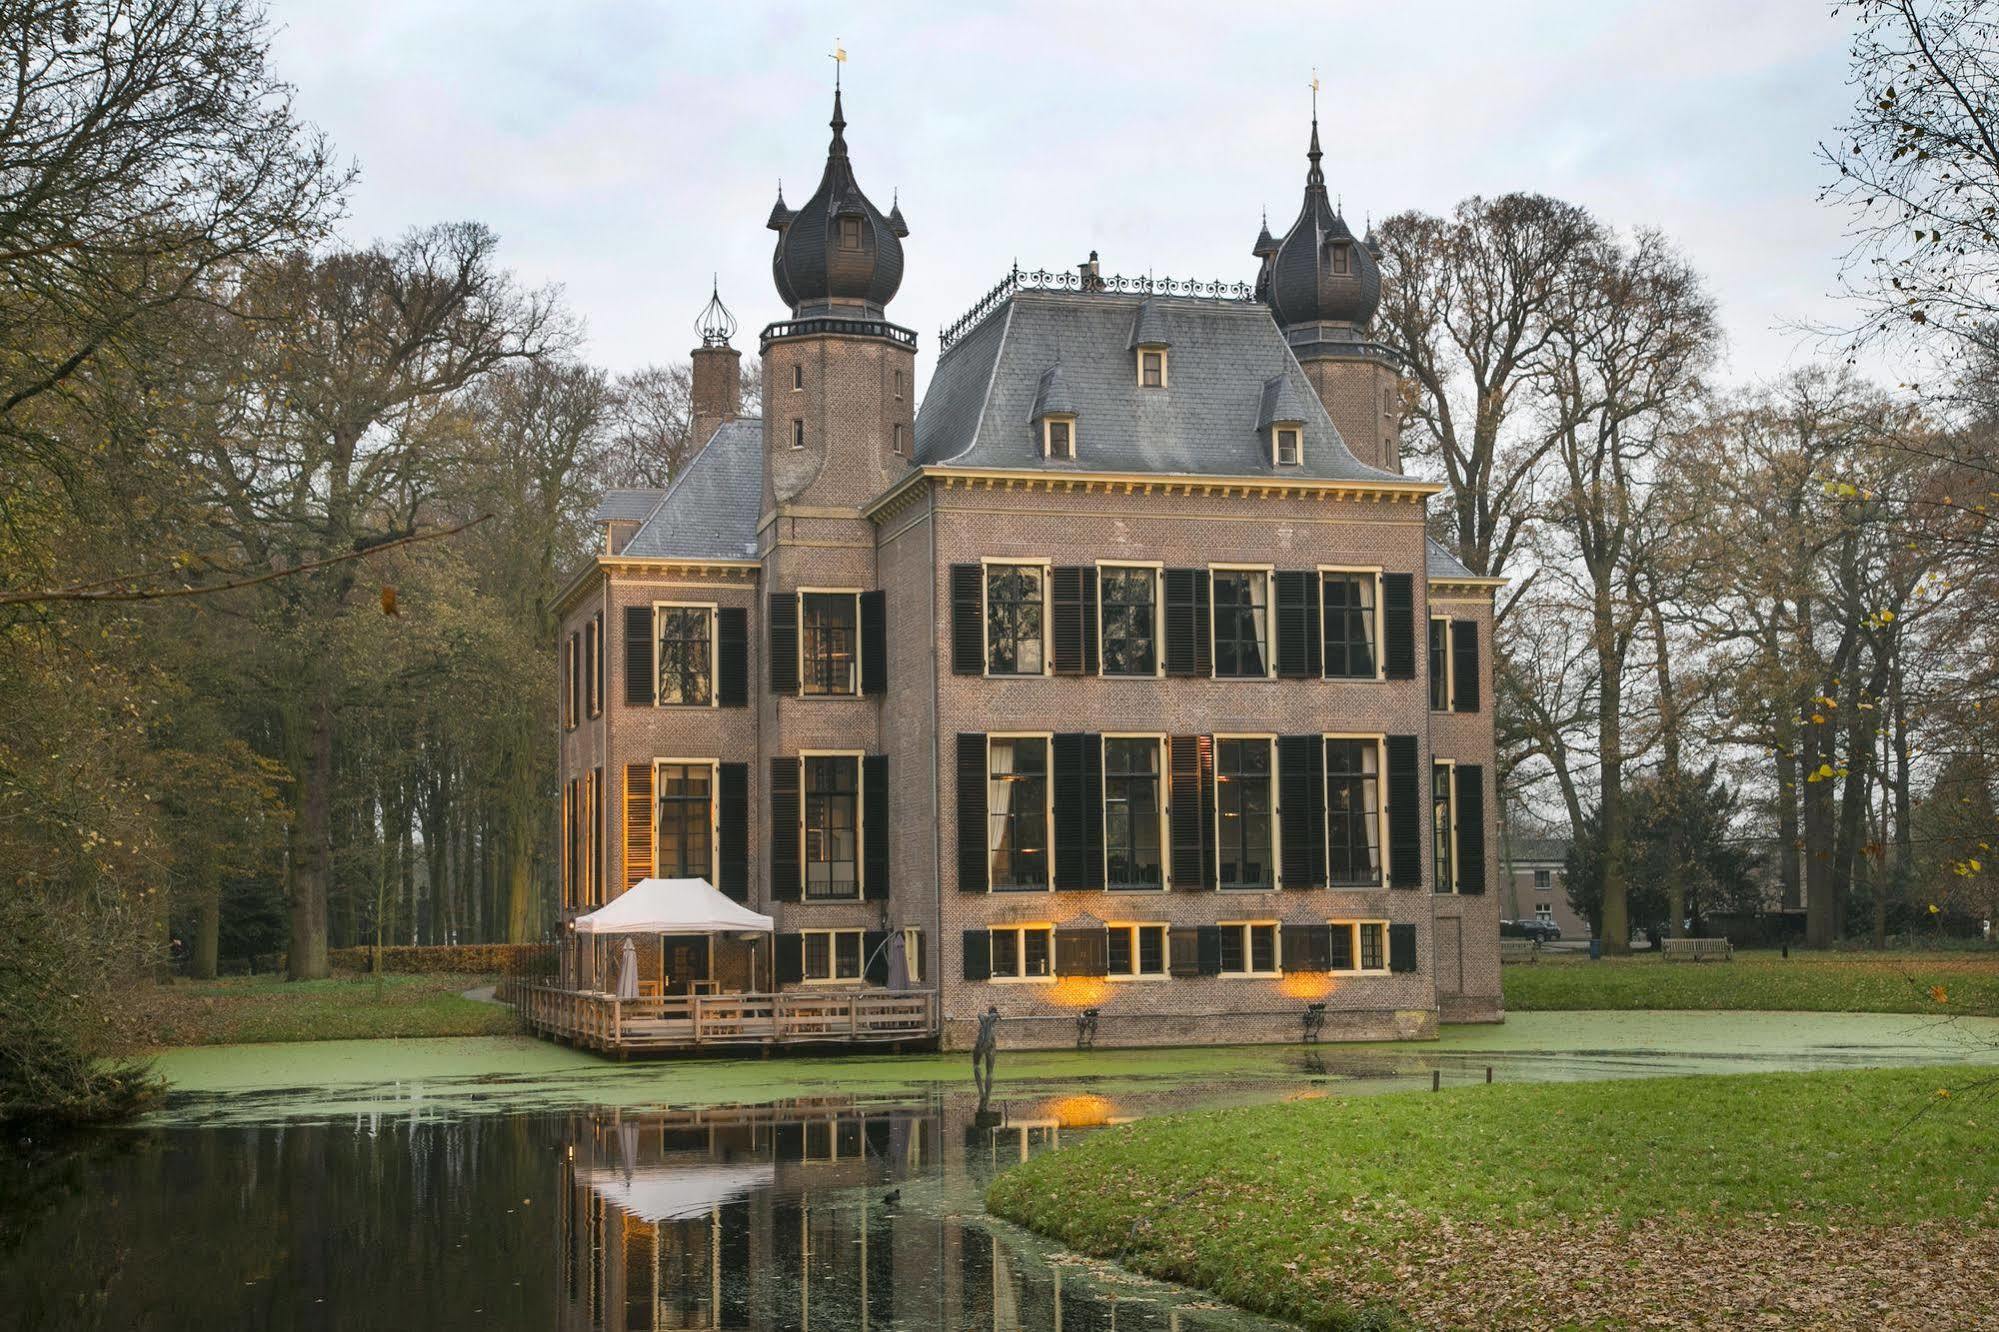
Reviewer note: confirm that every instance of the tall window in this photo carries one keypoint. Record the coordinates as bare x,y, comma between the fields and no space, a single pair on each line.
1013,619
1440,823
1128,598
592,659
1374,945
1353,811
1360,945
1543,880
1131,813
1440,665
797,433
1350,625
1023,952
686,841
827,664
1242,622
1242,809
797,376
1287,446
1249,949
569,682
832,860
1017,811
1135,950
850,233
686,657
1152,369
1340,259
832,955
1061,438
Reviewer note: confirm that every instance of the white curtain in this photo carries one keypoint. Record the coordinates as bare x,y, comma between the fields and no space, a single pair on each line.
999,798
1259,604
1370,763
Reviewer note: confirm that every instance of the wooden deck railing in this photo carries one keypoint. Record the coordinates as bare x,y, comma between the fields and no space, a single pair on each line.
670,1022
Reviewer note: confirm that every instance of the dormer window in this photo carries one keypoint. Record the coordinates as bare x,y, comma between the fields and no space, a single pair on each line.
1152,367
1340,260
1058,437
850,233
1285,444
797,377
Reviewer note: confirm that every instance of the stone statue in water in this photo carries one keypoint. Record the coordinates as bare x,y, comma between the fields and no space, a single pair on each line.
983,1050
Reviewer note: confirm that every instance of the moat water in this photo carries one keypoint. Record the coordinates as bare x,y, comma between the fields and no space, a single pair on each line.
508,1184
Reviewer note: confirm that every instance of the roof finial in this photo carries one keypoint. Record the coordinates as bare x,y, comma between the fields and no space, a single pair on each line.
715,324
1315,177
839,59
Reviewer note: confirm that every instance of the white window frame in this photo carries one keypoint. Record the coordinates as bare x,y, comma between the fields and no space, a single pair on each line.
1047,739
1351,925
1048,436
1143,350
1269,572
1450,666
1544,912
1131,929
860,757
797,432
1541,874
1044,565
1380,739
797,376
1451,840
714,652
833,955
1373,571
1158,569
798,635
1104,808
1248,952
714,766
1276,835
1020,952
1280,428
592,665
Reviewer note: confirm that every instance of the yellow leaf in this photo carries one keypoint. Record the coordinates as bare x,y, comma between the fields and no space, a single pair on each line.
1939,995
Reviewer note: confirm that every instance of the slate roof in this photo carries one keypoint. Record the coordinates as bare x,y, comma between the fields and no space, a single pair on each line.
625,506
1280,403
711,509
1442,564
980,404
1527,850
1052,398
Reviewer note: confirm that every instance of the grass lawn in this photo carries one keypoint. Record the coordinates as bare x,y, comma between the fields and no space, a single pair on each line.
252,1009
1836,982
1849,1199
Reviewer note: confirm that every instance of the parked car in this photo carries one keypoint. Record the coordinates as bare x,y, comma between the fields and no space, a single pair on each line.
1541,931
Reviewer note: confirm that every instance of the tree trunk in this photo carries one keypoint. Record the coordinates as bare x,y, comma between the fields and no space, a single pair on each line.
205,950
1669,773
1616,908
306,958
1790,884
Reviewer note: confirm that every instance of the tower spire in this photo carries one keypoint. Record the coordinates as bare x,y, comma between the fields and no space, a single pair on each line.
1315,178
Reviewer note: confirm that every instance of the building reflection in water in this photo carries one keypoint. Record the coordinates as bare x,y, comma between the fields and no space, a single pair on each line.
823,1214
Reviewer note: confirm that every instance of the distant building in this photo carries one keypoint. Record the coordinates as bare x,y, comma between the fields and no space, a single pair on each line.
1537,888
1120,679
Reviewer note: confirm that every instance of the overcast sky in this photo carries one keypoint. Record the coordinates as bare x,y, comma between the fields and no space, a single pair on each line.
626,150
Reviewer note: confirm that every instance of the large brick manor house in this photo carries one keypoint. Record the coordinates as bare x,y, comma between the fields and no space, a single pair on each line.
1116,679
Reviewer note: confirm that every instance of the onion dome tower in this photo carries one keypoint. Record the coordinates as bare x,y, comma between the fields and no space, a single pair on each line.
838,254
716,393
1323,286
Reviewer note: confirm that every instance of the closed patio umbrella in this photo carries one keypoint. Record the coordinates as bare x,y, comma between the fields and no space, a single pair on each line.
898,963
628,973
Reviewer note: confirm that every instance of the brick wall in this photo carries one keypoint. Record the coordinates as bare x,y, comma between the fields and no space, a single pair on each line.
1363,396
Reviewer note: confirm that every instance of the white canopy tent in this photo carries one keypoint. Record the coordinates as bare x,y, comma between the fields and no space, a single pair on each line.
678,1192
672,906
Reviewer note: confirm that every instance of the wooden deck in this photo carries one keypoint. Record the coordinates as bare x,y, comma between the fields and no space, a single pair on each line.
832,1016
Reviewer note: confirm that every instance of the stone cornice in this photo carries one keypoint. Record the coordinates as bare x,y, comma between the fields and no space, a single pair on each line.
721,570
903,492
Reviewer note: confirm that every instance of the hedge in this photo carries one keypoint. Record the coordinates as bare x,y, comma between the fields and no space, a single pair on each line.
495,959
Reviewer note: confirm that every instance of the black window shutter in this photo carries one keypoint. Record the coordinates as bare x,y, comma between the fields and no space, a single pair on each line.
874,644
1186,824
974,864
1401,947
790,957
1082,952
639,682
1471,827
1078,773
968,614
874,828
732,657
1090,620
1405,814
784,825
732,843
1209,950
1183,944
1204,745
1065,619
874,957
1301,810
1398,626
978,955
784,642
603,650
1464,665
1189,651
1298,645
575,679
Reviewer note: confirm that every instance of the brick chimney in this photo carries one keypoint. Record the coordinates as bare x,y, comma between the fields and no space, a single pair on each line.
717,392
718,389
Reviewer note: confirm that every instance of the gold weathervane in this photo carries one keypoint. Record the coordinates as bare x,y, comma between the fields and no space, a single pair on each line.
839,58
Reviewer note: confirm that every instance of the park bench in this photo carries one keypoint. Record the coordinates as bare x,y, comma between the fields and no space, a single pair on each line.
1519,950
1697,950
